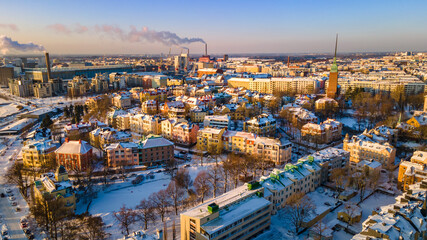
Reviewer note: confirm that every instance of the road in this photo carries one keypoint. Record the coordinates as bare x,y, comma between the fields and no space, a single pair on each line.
9,216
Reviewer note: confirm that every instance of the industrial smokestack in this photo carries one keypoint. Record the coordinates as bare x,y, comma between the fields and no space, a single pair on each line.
206,49
49,75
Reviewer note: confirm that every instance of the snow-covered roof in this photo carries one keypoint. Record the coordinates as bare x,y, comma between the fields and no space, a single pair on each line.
155,141
74,147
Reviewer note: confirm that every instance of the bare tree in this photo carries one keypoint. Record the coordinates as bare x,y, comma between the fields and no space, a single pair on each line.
15,175
360,182
201,184
224,171
161,202
338,176
145,212
176,194
213,173
93,228
319,228
183,179
125,217
299,208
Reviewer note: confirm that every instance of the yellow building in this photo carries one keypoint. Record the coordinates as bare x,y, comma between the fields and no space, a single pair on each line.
35,154
240,213
197,114
60,188
367,150
419,119
262,125
42,90
209,138
412,171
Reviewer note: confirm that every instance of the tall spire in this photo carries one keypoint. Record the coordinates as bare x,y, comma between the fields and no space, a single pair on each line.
336,46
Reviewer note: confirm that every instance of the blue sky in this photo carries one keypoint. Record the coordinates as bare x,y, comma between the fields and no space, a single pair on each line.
231,26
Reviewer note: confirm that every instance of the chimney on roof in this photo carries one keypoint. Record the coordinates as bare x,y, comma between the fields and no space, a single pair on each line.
206,49
66,139
80,141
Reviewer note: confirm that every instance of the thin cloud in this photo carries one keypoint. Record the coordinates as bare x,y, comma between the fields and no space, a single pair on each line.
80,28
12,27
59,28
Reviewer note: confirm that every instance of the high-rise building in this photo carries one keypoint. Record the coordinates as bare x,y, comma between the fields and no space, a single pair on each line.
5,74
333,76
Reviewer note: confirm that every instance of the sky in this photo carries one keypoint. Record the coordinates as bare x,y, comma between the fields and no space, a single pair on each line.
232,26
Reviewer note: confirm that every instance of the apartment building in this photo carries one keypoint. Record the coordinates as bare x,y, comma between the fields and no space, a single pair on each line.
77,131
168,125
210,139
75,155
412,171
197,114
121,100
329,159
262,125
122,154
42,90
362,148
323,133
222,121
36,154
241,213
150,107
299,116
326,104
185,133
154,150
273,85
274,150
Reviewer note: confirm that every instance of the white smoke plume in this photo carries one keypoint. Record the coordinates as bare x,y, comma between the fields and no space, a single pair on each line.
8,45
164,37
134,35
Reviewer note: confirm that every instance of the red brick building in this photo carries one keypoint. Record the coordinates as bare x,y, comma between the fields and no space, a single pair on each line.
74,155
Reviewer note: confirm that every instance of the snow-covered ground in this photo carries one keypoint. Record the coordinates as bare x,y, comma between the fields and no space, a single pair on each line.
125,193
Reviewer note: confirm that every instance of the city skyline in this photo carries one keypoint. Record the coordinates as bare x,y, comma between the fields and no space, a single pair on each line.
136,27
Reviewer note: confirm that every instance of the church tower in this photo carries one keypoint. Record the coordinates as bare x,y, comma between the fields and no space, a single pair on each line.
333,75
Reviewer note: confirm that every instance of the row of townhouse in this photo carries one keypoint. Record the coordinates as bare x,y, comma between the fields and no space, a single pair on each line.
153,151
274,150
304,176
245,212
323,133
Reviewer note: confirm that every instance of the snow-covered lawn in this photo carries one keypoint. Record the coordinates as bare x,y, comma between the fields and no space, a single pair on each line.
8,109
124,193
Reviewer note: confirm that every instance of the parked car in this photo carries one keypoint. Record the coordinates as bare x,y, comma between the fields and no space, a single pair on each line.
12,198
138,179
3,195
14,203
24,225
8,190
